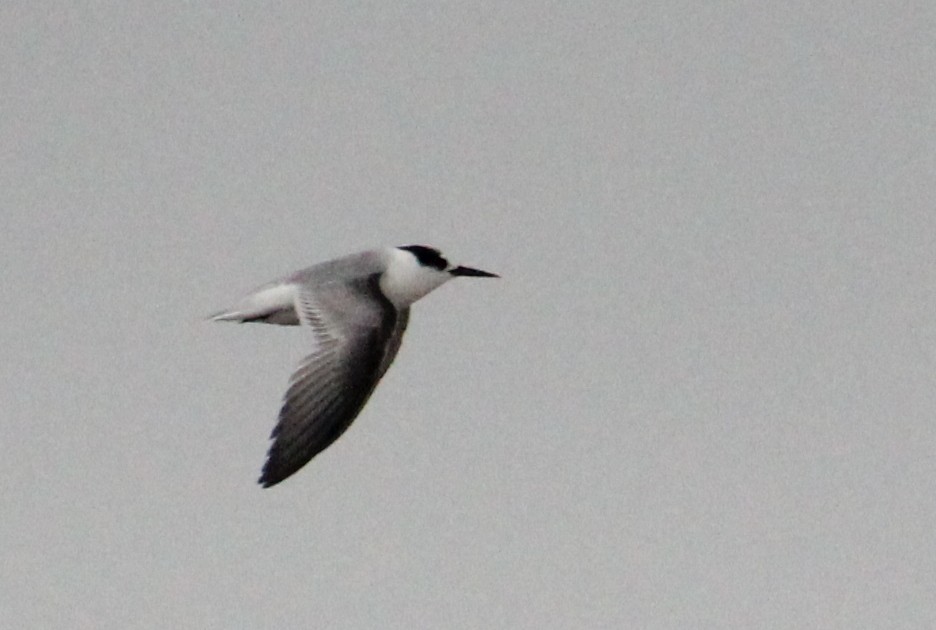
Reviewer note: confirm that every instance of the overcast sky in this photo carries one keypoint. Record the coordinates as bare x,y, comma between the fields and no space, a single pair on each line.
703,394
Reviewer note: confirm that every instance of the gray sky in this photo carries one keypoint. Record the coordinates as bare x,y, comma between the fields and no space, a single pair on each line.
702,395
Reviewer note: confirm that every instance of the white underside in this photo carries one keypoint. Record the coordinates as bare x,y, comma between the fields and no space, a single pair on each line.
276,300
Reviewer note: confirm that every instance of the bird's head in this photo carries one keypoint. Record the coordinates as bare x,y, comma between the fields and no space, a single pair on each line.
415,270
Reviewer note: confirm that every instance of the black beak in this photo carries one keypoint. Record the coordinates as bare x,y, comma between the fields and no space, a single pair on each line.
474,273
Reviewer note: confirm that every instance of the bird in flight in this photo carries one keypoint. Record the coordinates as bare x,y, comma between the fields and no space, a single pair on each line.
357,308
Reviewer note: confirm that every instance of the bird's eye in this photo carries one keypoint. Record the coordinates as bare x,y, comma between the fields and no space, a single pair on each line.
427,256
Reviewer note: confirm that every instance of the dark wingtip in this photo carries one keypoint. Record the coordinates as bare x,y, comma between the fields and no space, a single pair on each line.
267,482
270,478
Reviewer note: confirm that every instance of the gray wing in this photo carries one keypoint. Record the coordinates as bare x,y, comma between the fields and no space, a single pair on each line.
357,333
393,345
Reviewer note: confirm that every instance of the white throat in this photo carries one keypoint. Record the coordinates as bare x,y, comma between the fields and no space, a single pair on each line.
405,280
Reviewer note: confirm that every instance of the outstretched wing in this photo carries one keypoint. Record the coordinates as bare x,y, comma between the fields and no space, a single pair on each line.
356,335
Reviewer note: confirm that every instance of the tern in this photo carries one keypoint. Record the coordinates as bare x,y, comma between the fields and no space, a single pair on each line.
357,308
